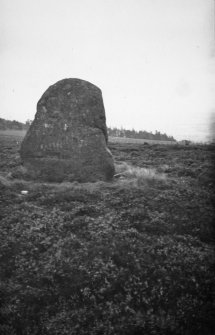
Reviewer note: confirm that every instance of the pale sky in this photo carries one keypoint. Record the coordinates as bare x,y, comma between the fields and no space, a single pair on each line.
154,60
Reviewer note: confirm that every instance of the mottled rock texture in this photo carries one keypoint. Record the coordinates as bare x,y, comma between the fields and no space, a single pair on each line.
68,138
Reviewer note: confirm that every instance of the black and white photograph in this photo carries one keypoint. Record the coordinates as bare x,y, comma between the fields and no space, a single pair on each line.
107,167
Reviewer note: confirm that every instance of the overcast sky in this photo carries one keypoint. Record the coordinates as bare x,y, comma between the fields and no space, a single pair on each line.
152,59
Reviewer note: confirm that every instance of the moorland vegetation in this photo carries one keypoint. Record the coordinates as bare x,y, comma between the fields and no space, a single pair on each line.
132,256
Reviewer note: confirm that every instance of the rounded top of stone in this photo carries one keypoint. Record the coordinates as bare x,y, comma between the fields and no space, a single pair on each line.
72,83
73,86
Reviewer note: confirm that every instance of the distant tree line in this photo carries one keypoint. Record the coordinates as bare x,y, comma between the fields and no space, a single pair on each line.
114,132
15,125
142,134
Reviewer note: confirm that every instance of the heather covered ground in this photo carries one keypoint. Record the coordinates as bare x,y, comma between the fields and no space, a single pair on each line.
132,256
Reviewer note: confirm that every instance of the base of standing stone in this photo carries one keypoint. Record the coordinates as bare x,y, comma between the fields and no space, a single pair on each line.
55,170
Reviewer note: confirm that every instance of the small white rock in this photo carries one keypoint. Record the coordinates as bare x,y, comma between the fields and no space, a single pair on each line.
24,192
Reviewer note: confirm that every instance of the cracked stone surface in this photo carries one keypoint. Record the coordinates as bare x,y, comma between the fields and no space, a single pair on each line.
68,138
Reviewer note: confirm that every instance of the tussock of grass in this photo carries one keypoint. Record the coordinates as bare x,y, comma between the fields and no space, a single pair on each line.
141,176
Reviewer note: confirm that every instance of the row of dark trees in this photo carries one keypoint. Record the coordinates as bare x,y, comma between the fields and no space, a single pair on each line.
142,134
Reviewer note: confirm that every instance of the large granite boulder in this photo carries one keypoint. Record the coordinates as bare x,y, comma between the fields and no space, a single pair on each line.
68,138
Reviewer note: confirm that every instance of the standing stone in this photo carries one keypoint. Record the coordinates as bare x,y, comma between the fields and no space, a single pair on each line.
68,138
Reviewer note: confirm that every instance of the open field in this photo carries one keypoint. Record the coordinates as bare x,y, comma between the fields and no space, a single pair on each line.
13,132
138,141
130,257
